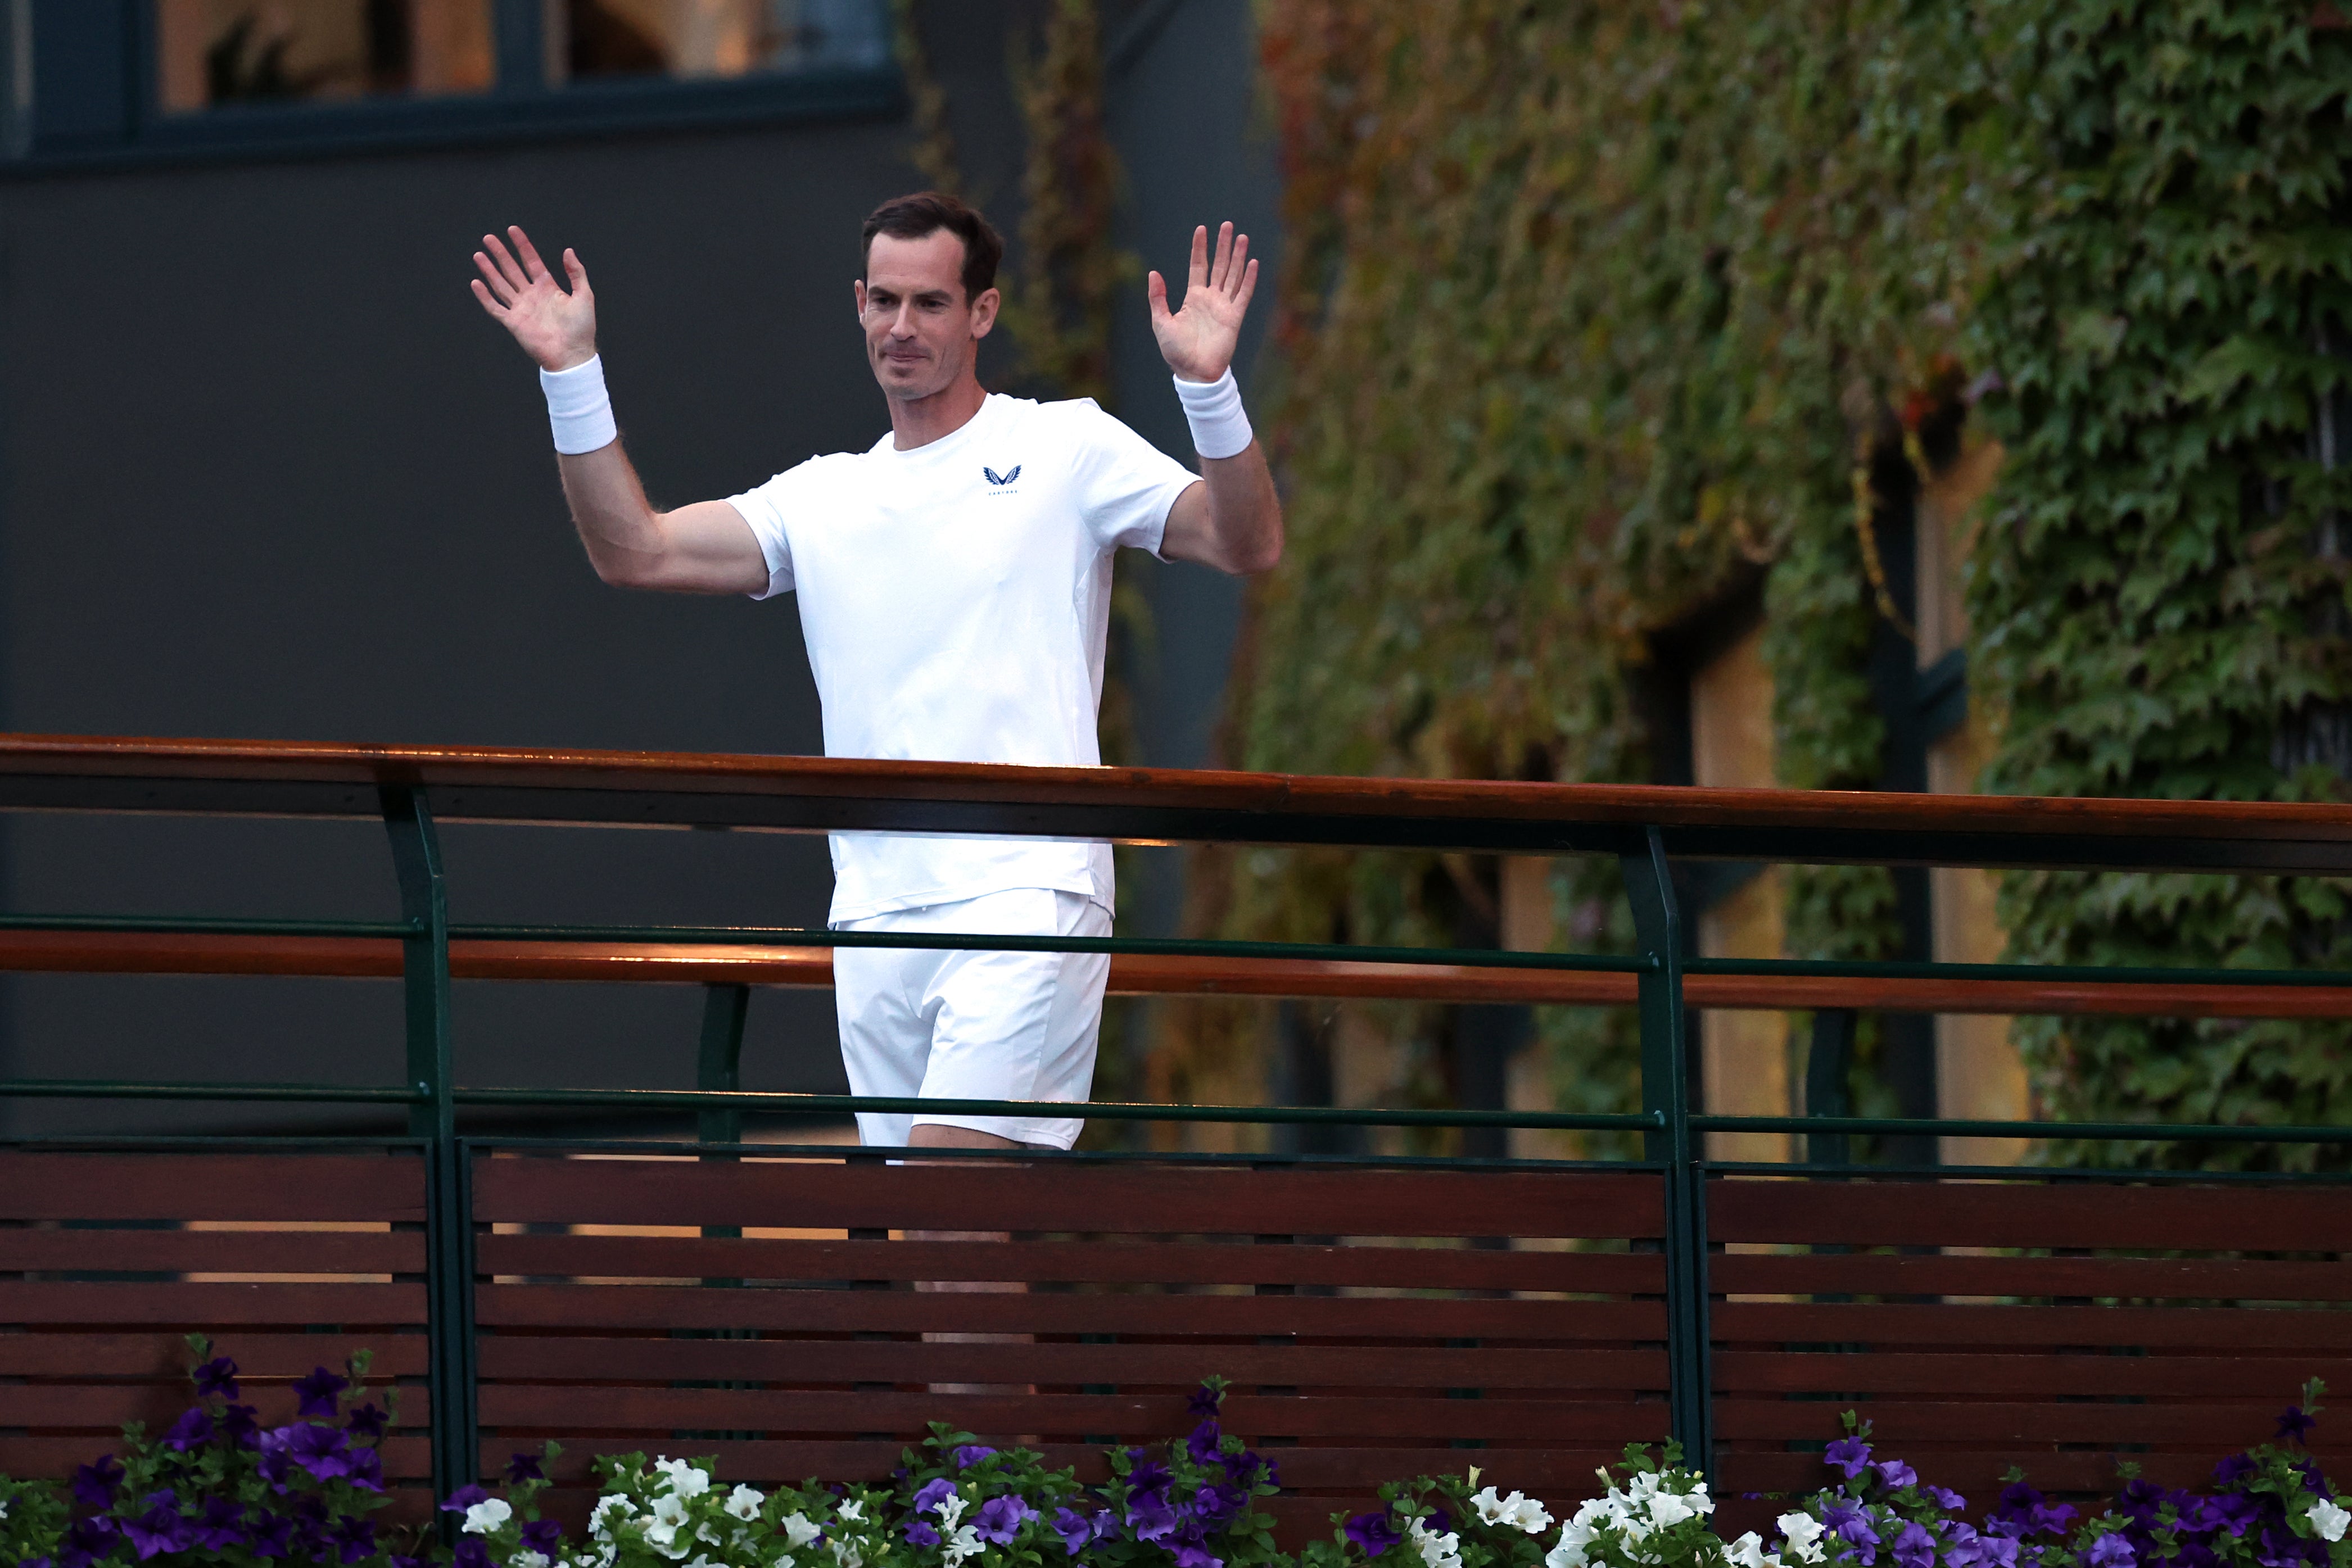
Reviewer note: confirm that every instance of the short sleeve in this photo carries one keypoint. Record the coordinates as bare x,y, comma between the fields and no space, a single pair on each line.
790,493
1124,486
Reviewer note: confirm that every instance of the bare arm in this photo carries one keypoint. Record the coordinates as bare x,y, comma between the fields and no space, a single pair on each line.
1231,520
706,548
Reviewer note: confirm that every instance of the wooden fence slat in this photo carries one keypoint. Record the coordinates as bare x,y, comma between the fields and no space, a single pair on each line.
213,1251
1115,1199
1172,1316
105,1406
209,1306
2025,1426
629,1256
781,1360
2158,1217
42,1185
2242,1280
1943,1324
2015,1372
258,1356
593,1409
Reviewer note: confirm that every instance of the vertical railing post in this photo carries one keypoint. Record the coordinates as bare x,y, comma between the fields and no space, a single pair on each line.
718,1063
1665,1092
1826,1066
448,1222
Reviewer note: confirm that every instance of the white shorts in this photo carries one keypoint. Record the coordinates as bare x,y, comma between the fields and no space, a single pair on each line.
974,1025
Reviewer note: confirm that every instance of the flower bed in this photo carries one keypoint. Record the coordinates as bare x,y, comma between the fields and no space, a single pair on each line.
219,1488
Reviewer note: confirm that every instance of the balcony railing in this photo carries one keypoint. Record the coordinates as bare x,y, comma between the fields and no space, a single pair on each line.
804,1308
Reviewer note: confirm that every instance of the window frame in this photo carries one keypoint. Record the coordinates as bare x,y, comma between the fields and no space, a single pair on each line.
95,62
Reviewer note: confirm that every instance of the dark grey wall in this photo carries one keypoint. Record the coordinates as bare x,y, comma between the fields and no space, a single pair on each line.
267,470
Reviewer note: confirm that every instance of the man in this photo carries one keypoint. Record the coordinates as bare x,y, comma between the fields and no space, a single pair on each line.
954,587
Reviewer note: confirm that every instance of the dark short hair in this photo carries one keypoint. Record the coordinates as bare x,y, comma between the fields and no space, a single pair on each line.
926,212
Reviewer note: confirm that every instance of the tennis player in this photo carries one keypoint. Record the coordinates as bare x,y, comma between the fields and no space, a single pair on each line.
954,587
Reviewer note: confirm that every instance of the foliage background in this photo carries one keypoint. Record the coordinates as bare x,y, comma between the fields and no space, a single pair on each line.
1591,311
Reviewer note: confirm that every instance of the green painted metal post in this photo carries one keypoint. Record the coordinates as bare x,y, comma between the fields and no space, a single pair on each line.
448,1224
719,1064
1826,1065
1665,1089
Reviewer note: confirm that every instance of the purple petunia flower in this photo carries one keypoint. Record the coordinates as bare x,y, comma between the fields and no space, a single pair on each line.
544,1536
1148,1476
161,1529
192,1430
1852,1525
2293,1424
221,1526
970,1455
367,1421
1373,1532
472,1553
921,1534
366,1468
935,1491
2111,1551
466,1496
1896,1474
353,1538
323,1451
1215,1506
2234,1469
1946,1499
1190,1556
237,1425
217,1375
1915,1547
94,1484
999,1519
1150,1516
318,1391
1203,1404
400,1562
1848,1454
270,1535
1203,1444
520,1469
1248,1469
1078,1530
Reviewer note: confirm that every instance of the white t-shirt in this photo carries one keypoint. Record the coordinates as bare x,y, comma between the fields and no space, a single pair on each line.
955,598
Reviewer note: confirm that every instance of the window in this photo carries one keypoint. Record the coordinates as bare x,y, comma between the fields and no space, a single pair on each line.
212,53
109,79
705,38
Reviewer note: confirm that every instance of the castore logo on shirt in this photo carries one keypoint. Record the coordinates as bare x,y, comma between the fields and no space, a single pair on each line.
1005,479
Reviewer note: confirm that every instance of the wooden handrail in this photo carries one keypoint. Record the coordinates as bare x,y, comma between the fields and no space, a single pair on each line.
367,958
1138,804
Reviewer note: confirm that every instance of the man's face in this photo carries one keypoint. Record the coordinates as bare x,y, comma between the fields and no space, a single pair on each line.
921,334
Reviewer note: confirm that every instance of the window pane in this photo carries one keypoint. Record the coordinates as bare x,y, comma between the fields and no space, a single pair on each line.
604,38
215,52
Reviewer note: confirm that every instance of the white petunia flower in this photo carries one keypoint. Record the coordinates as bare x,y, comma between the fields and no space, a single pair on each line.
846,1554
487,1515
743,1503
1748,1552
799,1531
852,1510
950,1509
610,1508
1436,1551
1805,1534
703,1532
965,1542
1668,1510
2327,1519
1490,1506
1529,1514
526,1559
660,1533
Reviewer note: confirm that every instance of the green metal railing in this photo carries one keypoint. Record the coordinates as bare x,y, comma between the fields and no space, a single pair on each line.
1671,1127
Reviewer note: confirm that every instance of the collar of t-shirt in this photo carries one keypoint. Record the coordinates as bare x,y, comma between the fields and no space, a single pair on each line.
952,445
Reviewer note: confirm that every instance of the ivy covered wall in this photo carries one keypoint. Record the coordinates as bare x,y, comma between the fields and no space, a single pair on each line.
1594,313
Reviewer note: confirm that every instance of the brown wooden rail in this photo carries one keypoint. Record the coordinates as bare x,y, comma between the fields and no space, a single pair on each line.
364,957
819,794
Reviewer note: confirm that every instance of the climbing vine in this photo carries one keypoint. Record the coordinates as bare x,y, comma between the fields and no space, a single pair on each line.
1591,311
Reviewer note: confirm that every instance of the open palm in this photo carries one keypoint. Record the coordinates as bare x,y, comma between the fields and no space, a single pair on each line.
1198,339
556,328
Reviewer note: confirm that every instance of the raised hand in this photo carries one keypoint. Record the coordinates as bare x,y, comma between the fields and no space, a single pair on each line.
555,329
1198,341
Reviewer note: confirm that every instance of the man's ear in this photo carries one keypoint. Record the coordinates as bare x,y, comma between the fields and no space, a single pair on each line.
857,292
983,312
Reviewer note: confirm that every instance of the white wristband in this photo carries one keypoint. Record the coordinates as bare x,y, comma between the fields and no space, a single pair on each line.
579,409
1221,428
